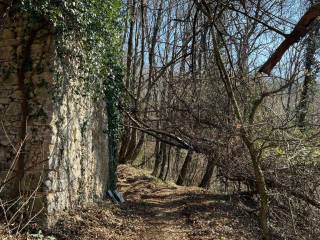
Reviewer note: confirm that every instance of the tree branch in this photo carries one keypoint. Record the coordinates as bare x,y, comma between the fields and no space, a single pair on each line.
300,30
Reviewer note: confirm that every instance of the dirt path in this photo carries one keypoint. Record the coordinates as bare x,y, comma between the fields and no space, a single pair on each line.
155,210
160,215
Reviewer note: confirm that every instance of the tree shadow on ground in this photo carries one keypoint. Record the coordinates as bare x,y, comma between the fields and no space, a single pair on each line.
197,210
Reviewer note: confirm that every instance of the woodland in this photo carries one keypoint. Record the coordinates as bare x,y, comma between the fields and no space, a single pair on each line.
224,95
221,96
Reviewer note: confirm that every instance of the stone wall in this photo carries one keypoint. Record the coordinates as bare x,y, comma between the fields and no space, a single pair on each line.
56,135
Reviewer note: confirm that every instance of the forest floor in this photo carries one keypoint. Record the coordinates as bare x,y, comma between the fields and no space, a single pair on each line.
157,210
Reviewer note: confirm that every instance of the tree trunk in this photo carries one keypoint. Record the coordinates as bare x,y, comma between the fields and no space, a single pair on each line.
205,182
163,158
137,148
168,162
261,188
125,139
157,161
184,168
131,144
124,145
177,161
264,201
310,74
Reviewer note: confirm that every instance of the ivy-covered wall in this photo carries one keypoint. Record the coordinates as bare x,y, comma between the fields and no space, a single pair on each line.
59,88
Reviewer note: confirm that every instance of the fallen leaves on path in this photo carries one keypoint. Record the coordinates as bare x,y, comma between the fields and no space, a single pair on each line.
156,210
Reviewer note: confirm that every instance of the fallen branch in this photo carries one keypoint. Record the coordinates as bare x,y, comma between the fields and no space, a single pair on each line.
276,185
300,30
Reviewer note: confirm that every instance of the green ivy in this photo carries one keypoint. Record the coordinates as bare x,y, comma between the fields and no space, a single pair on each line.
95,26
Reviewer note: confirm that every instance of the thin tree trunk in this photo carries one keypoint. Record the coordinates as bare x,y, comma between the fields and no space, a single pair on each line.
157,161
163,148
138,148
205,182
131,144
310,75
168,162
131,6
184,168
264,199
124,145
126,132
177,162
247,139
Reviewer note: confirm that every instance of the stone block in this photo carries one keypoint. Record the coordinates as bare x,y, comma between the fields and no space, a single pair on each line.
14,108
43,79
9,43
7,53
17,95
7,33
10,80
4,141
5,100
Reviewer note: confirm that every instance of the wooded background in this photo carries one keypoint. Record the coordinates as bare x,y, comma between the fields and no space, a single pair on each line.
211,100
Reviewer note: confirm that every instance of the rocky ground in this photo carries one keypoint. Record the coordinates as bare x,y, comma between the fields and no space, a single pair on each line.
156,210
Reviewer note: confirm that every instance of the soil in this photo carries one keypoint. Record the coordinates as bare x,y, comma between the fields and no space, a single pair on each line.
157,210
